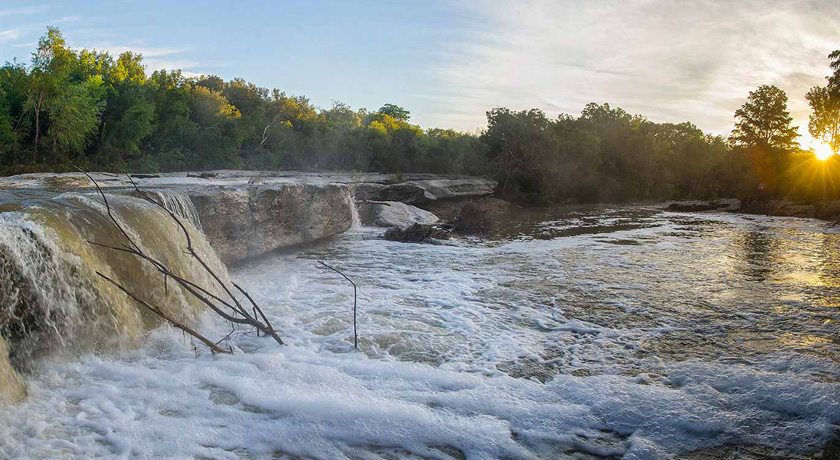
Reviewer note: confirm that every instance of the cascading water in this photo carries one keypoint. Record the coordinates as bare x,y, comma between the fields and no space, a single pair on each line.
354,209
53,302
179,203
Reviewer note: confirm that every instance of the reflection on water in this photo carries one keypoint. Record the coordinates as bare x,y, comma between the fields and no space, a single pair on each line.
598,290
571,333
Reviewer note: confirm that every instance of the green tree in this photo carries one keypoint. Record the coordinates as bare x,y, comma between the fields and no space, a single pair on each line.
7,138
51,65
523,150
764,121
396,112
74,117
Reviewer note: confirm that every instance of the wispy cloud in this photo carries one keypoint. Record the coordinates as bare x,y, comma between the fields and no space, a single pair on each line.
671,61
9,35
22,11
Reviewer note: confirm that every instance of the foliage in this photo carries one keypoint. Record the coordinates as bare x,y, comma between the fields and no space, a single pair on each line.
824,122
764,121
89,108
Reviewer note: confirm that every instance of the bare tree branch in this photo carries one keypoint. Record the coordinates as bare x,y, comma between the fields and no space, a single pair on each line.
355,334
169,320
231,310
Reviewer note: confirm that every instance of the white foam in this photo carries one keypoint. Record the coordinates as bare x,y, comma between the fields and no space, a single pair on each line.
440,328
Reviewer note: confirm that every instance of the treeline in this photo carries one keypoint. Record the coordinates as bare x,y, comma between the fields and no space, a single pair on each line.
87,108
90,109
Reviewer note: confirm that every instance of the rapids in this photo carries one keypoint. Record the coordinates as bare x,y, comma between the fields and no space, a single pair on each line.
585,333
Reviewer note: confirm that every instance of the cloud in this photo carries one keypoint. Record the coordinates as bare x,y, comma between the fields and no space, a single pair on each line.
9,35
22,11
671,61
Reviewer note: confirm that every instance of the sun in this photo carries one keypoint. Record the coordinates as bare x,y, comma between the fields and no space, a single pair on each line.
821,150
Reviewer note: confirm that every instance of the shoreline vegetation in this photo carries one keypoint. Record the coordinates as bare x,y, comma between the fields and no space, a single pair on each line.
92,110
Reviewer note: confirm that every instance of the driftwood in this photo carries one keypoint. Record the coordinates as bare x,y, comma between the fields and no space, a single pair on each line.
229,308
355,334
203,175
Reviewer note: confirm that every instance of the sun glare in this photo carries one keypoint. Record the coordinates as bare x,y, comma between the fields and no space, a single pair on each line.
821,150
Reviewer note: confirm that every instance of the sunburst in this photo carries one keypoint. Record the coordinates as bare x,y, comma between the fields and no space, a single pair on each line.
822,150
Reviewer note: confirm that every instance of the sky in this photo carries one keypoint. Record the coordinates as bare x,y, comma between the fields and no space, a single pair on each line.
449,61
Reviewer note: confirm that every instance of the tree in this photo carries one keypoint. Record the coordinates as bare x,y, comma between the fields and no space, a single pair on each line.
523,150
396,112
74,117
7,138
764,121
834,79
50,70
824,122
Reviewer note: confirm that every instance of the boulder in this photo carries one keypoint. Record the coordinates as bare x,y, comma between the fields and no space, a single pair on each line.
393,214
241,223
425,191
457,189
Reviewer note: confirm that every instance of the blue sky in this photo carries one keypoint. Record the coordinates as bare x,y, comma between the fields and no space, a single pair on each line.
449,61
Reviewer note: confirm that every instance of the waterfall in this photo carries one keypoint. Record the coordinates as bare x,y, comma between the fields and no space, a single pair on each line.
53,302
354,209
180,204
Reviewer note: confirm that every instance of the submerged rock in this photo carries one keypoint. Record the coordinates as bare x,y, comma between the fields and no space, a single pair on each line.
418,233
394,214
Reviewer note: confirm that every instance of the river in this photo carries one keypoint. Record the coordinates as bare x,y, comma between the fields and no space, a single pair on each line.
591,332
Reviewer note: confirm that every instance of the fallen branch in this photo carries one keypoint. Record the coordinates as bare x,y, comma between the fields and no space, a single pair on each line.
231,310
169,320
355,335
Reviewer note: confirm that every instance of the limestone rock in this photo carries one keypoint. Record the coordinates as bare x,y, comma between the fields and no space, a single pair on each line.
246,222
394,214
405,193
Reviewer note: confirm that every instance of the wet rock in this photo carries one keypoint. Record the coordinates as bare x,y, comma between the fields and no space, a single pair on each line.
246,222
418,233
405,193
457,189
726,204
427,190
394,214
203,175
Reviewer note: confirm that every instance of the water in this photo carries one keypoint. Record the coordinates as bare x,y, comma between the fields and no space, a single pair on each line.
179,203
583,333
53,301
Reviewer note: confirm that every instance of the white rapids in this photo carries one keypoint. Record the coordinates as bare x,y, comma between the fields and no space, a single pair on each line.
609,333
